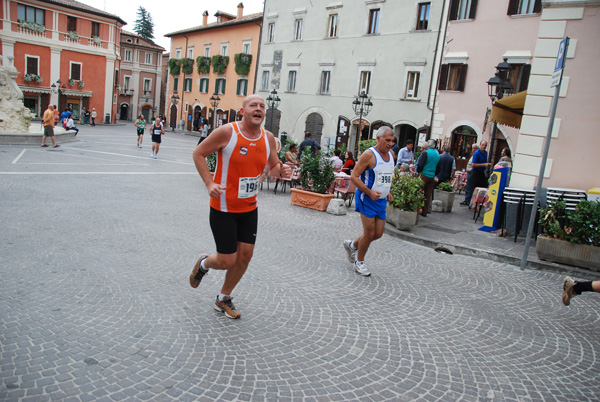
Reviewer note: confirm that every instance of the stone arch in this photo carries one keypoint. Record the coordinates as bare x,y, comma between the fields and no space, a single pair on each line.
314,125
124,111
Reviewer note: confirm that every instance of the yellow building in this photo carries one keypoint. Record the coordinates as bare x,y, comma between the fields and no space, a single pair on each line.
216,60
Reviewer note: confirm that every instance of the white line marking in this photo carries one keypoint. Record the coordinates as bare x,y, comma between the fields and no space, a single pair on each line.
136,157
18,157
107,173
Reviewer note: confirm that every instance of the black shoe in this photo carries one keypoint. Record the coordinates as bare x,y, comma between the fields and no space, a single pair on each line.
44,146
423,215
464,203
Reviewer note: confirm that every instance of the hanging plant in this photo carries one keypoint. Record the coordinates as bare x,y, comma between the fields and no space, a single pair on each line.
203,64
71,81
187,65
80,84
96,40
242,63
220,64
73,35
174,66
32,26
32,77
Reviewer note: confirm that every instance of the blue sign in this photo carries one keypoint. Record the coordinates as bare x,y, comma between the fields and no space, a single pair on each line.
562,54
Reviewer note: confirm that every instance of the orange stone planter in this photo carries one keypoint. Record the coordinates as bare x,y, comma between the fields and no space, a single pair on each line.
310,199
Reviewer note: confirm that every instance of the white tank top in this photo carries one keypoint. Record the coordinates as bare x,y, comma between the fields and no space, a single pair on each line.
379,178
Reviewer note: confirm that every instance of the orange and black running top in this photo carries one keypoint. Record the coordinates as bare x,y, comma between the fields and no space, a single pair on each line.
239,166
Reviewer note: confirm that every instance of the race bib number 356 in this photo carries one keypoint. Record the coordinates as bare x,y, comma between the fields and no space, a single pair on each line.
248,187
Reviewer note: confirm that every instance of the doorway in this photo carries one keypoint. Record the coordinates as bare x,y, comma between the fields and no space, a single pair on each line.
75,107
124,112
146,113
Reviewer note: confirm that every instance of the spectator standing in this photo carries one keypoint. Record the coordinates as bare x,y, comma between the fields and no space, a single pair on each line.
469,186
308,142
480,164
395,150
428,166
86,115
48,122
94,115
406,154
447,165
56,116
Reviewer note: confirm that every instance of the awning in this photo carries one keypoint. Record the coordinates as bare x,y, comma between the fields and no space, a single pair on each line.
35,89
76,93
509,111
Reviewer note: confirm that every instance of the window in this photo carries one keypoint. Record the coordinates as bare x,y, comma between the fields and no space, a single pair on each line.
325,78
453,77
271,33
519,76
175,84
148,58
423,17
373,21
204,85
220,86
71,24
147,85
265,81
178,53
75,71
365,82
191,52
187,85
242,87
291,87
206,51
126,82
127,56
223,50
298,29
246,47
519,7
31,65
31,14
462,9
332,27
95,29
412,85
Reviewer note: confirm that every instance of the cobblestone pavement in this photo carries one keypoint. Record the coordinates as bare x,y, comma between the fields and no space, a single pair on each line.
96,246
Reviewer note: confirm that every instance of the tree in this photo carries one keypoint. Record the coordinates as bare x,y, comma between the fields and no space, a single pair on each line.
144,25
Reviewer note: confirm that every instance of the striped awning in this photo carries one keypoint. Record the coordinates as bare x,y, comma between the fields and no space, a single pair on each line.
35,89
76,93
509,111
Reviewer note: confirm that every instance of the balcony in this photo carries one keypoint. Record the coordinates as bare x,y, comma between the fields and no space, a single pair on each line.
27,31
126,92
147,93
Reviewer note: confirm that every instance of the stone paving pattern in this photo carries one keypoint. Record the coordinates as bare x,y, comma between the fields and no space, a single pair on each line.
95,253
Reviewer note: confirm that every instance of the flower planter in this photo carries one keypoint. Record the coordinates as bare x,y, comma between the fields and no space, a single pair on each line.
447,199
310,199
402,220
564,252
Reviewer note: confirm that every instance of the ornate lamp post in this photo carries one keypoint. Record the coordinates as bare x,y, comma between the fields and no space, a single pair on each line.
174,100
56,87
214,102
362,106
273,103
498,86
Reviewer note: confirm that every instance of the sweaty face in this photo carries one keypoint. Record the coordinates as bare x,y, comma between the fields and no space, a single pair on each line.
386,142
254,110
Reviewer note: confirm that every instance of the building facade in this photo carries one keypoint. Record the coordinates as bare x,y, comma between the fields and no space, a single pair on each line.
66,53
319,55
139,78
215,60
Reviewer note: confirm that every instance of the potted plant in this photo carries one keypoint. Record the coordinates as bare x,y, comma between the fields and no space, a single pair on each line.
403,210
187,65
174,66
445,193
570,237
80,84
32,26
203,64
32,77
74,36
71,81
219,63
242,63
96,40
316,179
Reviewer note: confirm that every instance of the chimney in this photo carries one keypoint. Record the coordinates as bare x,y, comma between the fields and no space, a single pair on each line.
204,18
240,8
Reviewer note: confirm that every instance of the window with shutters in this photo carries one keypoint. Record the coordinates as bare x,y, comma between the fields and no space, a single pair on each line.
325,79
298,29
522,7
291,87
126,82
148,86
207,51
75,71
95,29
204,85
373,21
265,81
148,58
71,24
220,86
31,65
271,33
453,77
365,82
412,85
31,14
175,84
127,55
332,28
242,87
519,76
423,16
462,9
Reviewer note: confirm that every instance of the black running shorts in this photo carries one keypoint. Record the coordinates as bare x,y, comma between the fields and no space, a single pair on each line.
230,228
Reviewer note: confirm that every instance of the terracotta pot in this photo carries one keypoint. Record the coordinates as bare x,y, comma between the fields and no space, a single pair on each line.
446,197
564,252
310,199
402,220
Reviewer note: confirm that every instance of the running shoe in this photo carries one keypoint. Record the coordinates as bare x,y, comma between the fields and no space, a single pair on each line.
361,268
350,251
198,272
569,292
226,306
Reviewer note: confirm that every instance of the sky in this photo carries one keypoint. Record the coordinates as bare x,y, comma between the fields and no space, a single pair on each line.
172,15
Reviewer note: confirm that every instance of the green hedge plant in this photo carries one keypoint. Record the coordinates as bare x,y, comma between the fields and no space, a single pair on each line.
407,192
219,63
242,63
445,186
187,65
581,226
174,66
316,173
203,64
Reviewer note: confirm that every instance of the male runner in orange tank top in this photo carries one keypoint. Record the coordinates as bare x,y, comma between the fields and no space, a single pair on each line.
243,150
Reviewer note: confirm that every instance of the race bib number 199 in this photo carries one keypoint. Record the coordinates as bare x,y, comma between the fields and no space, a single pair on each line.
248,187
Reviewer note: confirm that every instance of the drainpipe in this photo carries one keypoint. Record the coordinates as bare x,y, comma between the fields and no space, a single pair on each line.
183,82
259,46
431,83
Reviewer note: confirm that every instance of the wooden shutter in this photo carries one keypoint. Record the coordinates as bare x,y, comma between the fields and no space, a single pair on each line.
32,65
524,77
537,6
462,78
453,14
513,6
443,77
473,9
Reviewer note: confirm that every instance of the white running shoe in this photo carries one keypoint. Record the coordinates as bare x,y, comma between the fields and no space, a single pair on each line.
155,156
350,251
152,154
361,268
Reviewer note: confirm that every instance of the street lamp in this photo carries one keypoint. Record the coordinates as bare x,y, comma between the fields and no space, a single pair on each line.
174,100
56,87
362,106
214,102
273,103
498,86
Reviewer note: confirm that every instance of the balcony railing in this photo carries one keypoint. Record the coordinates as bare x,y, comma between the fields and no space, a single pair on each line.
126,92
26,31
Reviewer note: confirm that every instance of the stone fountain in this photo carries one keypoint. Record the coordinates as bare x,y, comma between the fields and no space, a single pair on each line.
14,116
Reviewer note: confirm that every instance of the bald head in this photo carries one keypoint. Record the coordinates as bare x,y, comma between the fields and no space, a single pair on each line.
250,98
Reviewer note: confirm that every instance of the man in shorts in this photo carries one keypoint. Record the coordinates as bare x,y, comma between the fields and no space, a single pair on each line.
48,122
243,149
372,177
